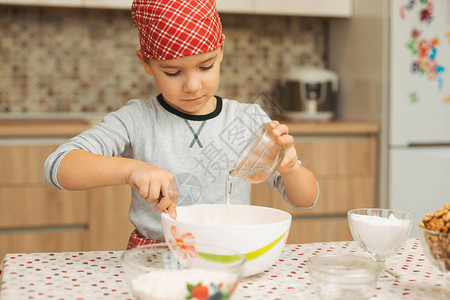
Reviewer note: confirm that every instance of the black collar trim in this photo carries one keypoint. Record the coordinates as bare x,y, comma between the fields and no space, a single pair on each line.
172,110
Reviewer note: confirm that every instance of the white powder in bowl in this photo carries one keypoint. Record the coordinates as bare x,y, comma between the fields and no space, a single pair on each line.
173,284
380,236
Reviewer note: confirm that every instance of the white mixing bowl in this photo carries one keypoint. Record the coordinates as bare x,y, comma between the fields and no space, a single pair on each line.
260,233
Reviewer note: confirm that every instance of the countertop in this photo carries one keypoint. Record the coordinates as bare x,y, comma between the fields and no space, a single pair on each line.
99,275
57,125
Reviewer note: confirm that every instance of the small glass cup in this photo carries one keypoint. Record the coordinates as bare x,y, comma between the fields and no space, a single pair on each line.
343,276
260,157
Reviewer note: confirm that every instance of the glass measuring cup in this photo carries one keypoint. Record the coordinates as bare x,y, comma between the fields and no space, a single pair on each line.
260,157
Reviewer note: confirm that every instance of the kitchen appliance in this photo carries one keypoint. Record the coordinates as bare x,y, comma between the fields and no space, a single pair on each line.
419,107
309,94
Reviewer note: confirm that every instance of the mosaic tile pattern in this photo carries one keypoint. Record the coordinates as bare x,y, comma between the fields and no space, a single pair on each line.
83,60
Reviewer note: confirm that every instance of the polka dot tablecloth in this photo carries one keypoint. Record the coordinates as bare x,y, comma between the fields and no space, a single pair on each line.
99,275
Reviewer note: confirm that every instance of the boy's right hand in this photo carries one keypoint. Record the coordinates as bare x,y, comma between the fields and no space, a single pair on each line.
155,185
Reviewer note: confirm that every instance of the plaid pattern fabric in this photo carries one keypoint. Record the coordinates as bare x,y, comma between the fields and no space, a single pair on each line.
136,240
169,29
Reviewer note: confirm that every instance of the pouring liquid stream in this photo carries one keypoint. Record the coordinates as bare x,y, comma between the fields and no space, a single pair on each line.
228,190
254,176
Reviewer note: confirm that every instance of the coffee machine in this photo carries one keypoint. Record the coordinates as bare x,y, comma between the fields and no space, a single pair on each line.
309,94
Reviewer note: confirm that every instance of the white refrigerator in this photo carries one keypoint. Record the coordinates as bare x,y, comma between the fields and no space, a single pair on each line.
419,107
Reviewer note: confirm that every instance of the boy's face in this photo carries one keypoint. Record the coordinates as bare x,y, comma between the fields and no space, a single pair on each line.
188,83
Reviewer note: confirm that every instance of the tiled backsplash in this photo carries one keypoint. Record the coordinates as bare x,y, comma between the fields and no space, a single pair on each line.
83,60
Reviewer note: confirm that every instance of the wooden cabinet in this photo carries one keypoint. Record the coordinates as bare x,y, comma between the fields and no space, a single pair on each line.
35,217
109,226
66,3
118,4
236,6
344,164
318,8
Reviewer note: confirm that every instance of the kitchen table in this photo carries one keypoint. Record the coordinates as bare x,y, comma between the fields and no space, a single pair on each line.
99,274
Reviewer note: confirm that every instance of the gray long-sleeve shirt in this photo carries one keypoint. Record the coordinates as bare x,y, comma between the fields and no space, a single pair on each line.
199,150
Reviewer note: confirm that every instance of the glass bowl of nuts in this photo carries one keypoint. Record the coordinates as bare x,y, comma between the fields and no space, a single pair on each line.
435,239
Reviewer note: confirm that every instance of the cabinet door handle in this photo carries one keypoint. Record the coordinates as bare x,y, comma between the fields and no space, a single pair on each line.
429,144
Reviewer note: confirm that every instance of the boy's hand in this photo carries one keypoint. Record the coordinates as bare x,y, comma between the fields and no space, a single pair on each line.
289,163
154,185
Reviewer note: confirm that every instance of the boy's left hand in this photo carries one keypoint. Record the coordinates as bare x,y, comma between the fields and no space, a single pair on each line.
289,163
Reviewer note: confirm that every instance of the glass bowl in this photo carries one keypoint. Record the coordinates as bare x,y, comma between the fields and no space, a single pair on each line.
343,276
182,271
260,157
436,246
380,232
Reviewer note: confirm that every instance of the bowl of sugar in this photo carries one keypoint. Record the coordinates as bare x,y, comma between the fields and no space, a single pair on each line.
380,232
260,233
182,271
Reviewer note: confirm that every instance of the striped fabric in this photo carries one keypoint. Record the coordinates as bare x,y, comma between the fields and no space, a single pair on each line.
169,29
136,240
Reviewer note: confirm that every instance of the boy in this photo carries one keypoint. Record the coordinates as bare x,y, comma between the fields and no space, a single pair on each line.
186,134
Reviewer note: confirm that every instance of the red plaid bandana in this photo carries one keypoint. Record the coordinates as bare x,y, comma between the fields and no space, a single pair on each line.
136,240
170,29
